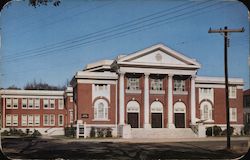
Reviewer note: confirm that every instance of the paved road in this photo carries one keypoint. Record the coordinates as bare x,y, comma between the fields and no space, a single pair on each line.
28,148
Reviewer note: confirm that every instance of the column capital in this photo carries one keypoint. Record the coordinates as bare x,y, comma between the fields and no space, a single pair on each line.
170,75
146,74
121,72
193,76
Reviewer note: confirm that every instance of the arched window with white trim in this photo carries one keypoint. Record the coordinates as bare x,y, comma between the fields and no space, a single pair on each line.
156,107
133,106
101,110
206,111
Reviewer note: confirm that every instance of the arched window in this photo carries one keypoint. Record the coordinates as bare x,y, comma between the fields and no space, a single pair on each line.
133,106
156,107
206,111
101,110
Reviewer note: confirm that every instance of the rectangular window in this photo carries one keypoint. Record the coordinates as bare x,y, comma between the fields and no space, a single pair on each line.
37,103
71,117
157,84
15,120
24,120
52,103
60,120
30,120
15,103
248,118
61,101
31,101
133,84
45,103
37,120
52,119
179,85
46,120
71,99
8,103
24,103
8,120
233,114
232,91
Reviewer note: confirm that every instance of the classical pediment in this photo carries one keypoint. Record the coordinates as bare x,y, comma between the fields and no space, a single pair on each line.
159,55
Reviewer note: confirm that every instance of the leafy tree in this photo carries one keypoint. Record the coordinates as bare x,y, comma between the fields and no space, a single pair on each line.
33,3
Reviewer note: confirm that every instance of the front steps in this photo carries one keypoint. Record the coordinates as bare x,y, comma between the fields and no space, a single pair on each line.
162,133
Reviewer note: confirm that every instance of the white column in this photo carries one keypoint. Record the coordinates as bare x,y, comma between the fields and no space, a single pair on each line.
146,101
3,114
193,116
170,102
121,99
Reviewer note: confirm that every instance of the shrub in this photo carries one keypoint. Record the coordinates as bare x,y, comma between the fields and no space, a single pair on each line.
214,131
209,131
92,132
5,133
100,132
13,132
108,132
70,131
246,129
231,131
36,133
217,130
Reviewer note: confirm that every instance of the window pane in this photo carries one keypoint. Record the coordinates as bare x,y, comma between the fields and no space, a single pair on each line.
46,103
30,120
37,120
15,103
31,103
52,103
8,120
24,120
8,103
52,119
61,104
15,120
46,120
24,103
133,84
37,103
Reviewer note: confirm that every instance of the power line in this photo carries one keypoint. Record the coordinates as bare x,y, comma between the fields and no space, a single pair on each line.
119,33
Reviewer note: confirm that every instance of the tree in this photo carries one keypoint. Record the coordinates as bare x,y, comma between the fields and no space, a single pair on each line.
42,86
13,87
33,3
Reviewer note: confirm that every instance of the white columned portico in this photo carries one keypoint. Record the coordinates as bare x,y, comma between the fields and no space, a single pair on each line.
193,100
146,101
170,101
121,98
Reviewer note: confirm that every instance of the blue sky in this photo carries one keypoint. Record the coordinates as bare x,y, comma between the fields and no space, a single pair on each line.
51,44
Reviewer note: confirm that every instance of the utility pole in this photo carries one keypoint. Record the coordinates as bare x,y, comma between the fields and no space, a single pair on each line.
225,32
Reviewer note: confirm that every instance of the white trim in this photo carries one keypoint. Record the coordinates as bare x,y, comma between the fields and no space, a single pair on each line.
31,92
218,80
87,81
30,96
60,124
165,49
96,75
206,85
133,91
100,63
157,71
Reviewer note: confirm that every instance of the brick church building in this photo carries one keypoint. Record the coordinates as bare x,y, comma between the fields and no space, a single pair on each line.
154,90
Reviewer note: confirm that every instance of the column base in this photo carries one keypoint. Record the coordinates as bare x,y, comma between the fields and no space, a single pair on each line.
171,126
147,125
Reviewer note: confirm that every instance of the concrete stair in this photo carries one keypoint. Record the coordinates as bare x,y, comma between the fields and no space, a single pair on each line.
162,133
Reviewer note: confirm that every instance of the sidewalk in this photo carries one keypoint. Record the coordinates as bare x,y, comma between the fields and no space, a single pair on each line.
153,140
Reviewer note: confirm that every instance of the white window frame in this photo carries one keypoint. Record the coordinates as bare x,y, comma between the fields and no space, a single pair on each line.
8,120
232,92
70,99
101,110
208,116
15,120
71,116
36,120
30,103
52,103
60,103
37,103
60,123
52,120
133,84
24,102
45,102
46,117
30,120
156,84
8,103
24,120
15,103
179,85
233,114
